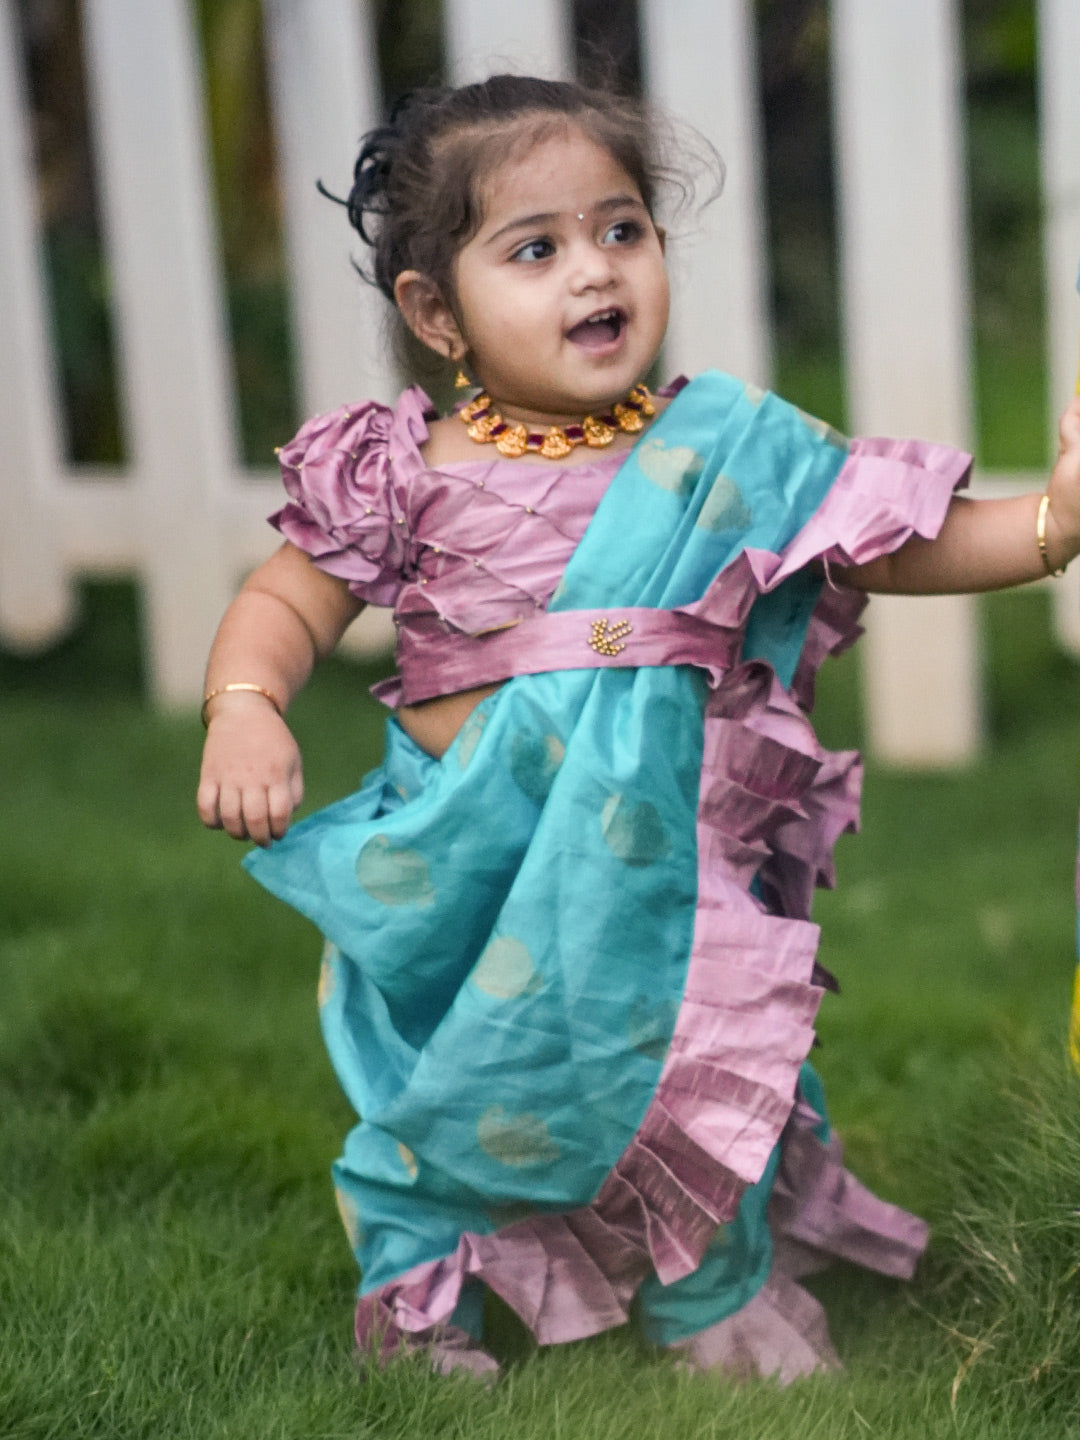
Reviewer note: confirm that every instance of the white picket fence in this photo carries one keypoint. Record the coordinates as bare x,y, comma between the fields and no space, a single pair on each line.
187,519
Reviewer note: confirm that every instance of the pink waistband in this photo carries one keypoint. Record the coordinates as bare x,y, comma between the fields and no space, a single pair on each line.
435,663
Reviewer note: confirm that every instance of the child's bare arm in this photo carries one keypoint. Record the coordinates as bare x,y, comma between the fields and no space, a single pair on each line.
988,544
288,615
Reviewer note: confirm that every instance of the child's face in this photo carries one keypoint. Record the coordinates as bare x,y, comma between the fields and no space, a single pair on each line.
562,294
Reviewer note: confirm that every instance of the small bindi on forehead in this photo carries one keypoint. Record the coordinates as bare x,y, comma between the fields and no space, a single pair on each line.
552,217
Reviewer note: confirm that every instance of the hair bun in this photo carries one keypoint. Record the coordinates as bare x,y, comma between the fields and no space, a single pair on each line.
371,180
381,147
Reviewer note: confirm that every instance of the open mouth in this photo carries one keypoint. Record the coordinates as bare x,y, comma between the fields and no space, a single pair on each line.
599,330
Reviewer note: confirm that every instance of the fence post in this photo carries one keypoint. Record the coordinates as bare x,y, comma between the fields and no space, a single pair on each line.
148,108
700,67
906,332
36,600
326,50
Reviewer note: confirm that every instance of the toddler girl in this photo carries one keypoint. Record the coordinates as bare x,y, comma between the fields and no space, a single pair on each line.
569,982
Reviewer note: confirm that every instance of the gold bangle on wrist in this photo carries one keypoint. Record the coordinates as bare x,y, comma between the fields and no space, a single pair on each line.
228,689
1040,536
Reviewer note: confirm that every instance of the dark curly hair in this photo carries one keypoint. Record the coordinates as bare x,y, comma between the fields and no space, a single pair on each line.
417,184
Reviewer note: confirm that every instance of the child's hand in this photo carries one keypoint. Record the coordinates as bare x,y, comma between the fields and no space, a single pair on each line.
1063,517
251,780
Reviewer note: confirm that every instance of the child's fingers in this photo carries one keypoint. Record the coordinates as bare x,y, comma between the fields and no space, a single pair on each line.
231,810
280,806
256,812
206,802
245,813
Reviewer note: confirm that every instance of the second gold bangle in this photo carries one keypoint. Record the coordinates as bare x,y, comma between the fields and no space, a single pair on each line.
1040,536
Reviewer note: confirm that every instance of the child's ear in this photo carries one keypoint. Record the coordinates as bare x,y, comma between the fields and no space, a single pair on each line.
427,314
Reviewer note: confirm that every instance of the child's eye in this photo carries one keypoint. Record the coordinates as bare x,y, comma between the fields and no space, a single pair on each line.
624,232
534,250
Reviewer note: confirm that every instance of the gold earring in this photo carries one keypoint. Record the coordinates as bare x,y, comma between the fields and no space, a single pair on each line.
462,381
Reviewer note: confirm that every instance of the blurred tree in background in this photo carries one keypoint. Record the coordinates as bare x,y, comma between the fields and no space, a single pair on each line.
793,39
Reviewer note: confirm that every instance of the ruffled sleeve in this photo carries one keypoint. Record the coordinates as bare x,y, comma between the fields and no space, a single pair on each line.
348,505
887,491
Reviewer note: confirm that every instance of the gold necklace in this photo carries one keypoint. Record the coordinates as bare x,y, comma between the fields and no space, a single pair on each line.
511,438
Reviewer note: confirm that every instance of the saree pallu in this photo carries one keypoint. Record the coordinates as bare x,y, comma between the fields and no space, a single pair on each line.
569,982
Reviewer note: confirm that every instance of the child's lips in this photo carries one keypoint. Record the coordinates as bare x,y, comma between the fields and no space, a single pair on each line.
601,331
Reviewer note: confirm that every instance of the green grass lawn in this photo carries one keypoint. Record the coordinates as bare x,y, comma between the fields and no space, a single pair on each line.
171,1263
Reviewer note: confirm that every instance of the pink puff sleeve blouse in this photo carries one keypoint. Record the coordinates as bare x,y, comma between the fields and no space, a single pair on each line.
461,549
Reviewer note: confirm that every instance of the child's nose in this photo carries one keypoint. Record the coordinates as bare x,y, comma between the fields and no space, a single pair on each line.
594,267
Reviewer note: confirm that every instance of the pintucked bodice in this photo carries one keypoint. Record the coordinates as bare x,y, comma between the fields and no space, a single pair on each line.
464,548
